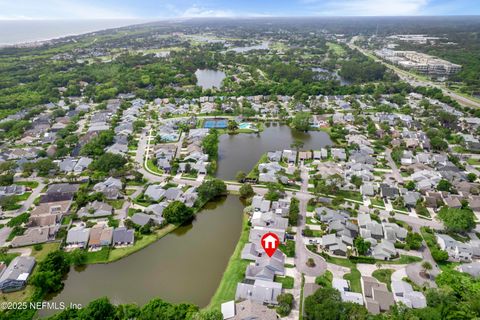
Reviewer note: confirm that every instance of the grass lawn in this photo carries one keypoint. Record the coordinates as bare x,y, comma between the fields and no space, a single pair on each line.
8,257
311,220
119,253
350,195
153,168
22,197
116,204
336,48
129,192
287,281
254,173
46,249
473,162
385,276
234,272
354,278
26,294
31,184
98,256
377,202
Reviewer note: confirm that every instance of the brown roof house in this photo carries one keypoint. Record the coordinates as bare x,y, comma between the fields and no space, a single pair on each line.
376,295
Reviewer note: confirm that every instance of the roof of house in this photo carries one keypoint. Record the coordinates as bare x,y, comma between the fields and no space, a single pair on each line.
78,234
123,235
18,269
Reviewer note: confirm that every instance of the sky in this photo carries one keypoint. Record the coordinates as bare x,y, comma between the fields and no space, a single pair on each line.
168,9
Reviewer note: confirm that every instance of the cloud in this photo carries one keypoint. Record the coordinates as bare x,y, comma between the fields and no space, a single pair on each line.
60,9
201,12
366,7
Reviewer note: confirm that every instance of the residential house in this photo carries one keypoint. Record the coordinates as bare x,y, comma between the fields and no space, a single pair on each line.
376,295
122,237
404,293
264,292
15,276
77,237
95,209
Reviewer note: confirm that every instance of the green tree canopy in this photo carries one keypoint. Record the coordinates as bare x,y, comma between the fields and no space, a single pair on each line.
177,213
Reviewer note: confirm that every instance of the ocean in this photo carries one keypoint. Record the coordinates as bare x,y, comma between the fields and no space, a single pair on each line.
21,31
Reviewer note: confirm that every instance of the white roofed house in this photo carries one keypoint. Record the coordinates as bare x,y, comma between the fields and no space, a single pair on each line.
95,209
261,291
155,192
15,276
77,237
110,188
404,293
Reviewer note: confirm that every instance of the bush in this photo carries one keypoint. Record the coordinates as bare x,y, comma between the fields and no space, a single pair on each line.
38,247
362,259
285,302
246,191
293,212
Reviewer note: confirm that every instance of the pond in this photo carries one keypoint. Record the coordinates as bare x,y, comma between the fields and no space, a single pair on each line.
241,152
325,74
209,79
184,266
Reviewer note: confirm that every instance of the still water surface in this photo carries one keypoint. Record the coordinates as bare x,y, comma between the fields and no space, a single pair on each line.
209,79
184,266
241,152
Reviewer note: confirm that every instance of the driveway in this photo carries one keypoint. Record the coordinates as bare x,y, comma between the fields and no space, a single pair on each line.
302,254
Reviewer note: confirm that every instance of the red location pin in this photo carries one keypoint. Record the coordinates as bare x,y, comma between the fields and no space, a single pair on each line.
270,243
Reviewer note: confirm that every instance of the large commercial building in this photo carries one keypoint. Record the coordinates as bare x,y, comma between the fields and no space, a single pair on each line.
420,62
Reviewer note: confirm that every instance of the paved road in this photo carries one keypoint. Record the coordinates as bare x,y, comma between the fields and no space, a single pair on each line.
302,254
393,165
408,77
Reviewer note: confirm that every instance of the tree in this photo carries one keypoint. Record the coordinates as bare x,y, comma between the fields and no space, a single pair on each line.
274,190
471,177
8,203
457,220
78,257
208,315
210,144
414,240
301,121
246,191
439,255
444,185
49,275
211,189
293,212
410,185
438,144
240,176
326,304
6,179
232,125
361,245
108,161
356,180
285,303
177,213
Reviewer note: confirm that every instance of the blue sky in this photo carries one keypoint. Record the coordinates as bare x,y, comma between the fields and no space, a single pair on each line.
164,9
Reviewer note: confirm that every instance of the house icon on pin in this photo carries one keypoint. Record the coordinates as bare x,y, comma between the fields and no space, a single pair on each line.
269,242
